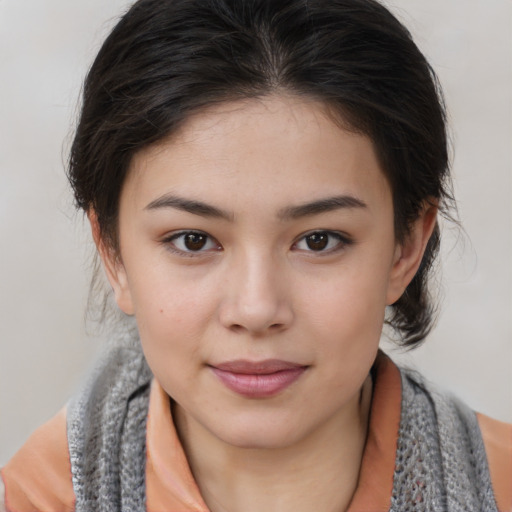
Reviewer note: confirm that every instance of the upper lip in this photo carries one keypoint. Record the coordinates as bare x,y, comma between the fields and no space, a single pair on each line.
257,367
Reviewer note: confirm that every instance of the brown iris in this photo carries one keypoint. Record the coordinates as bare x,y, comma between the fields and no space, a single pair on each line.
195,241
317,241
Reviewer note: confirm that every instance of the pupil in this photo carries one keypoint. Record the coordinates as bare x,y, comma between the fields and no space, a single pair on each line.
317,241
195,241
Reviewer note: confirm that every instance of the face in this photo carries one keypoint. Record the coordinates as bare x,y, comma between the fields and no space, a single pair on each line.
258,255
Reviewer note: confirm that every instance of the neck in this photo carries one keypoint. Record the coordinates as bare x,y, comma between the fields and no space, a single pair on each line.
318,473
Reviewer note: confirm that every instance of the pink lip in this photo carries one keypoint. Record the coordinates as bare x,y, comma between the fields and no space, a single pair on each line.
259,379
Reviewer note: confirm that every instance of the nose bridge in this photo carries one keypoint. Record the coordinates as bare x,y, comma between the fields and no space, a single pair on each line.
256,299
258,279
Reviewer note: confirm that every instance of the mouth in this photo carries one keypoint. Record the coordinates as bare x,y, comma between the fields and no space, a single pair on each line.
258,379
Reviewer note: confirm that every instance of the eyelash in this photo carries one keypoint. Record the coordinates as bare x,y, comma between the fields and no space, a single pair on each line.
342,241
170,243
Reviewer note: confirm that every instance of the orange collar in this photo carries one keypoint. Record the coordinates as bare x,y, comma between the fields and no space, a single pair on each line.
171,486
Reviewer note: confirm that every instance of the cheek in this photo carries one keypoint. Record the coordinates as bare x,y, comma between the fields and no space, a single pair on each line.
347,318
170,338
168,297
169,317
172,318
353,301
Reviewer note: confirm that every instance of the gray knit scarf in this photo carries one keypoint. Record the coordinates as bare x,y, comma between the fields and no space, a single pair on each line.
441,464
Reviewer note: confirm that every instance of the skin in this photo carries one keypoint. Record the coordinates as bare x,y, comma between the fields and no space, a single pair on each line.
259,288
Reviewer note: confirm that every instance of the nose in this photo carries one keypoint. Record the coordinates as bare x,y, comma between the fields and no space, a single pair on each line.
256,299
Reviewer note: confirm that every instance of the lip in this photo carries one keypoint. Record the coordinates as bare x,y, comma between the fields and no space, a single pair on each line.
258,379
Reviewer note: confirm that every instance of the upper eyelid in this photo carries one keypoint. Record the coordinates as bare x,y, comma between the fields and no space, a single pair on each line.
343,239
176,234
339,234
342,236
170,237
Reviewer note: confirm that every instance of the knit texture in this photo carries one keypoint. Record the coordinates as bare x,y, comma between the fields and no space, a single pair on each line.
441,464
106,426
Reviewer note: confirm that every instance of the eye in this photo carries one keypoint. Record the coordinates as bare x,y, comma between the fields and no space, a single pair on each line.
191,242
322,241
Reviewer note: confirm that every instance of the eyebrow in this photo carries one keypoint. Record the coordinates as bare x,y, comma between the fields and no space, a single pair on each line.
188,205
289,213
321,206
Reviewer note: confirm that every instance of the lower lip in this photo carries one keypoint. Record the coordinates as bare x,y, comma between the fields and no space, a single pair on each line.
259,385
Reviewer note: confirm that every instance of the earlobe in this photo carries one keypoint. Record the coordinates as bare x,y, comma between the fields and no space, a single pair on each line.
113,266
408,255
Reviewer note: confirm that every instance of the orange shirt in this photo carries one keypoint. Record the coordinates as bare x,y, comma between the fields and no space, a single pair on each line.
38,477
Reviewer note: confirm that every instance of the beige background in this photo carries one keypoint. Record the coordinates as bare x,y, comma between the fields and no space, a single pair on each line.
45,47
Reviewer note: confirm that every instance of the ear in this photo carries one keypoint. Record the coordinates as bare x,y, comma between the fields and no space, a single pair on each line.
113,266
409,253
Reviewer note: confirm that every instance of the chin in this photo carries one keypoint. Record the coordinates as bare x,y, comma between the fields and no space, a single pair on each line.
259,442
259,435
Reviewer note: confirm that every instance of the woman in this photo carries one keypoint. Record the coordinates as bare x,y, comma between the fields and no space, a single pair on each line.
262,181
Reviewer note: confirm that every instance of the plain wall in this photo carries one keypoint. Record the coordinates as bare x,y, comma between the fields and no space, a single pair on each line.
45,250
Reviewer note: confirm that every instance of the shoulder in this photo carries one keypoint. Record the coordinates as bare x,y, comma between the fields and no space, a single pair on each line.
47,471
38,477
497,437
474,451
106,429
2,496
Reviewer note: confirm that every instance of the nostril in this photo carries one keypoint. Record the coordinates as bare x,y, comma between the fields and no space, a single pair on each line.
237,328
276,327
256,314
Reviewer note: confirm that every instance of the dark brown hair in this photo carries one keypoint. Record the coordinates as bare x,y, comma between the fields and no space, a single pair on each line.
167,59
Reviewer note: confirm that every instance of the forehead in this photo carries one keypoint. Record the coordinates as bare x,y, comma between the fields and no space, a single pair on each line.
274,151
